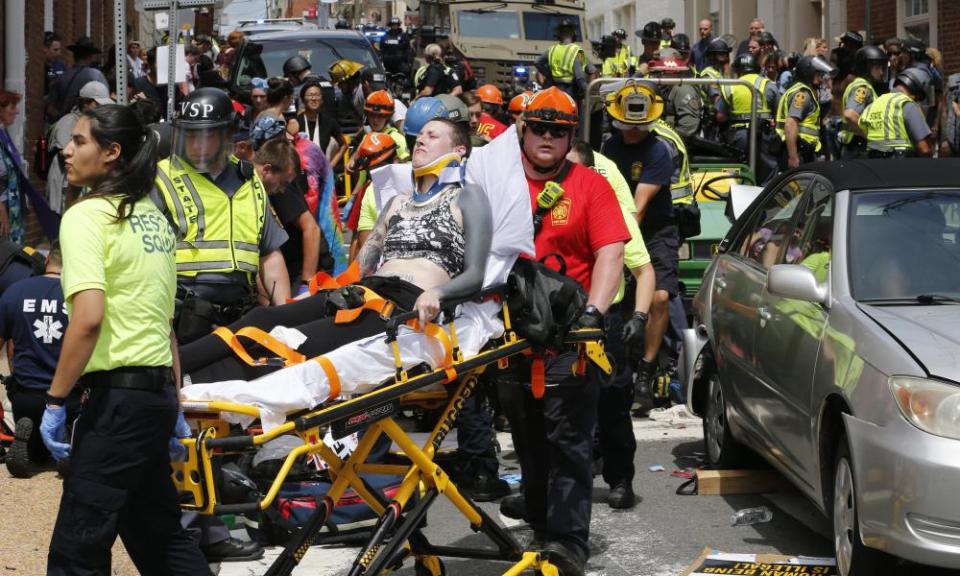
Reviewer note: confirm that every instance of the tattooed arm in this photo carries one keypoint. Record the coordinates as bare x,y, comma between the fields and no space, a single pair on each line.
372,251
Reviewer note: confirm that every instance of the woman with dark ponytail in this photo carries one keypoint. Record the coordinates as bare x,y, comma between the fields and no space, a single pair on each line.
119,279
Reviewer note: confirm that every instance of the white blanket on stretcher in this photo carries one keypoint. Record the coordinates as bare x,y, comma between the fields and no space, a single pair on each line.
362,366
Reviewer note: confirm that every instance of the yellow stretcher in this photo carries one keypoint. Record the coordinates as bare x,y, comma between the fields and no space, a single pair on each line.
377,411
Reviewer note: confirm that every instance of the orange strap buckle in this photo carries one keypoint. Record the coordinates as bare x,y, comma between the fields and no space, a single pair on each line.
323,281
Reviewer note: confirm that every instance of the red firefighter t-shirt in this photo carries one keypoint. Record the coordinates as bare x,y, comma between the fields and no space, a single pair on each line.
490,126
586,218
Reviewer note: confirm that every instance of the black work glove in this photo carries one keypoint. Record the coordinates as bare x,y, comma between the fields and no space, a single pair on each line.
590,318
633,337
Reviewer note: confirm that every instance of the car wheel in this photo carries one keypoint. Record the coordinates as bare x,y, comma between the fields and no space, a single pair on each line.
853,557
722,450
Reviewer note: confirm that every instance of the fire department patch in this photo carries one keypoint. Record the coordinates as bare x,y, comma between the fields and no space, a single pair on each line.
636,170
560,213
860,95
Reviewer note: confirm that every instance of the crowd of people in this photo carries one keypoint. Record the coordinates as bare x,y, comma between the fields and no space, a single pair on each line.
225,214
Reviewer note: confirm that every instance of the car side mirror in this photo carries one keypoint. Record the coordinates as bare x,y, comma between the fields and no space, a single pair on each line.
796,281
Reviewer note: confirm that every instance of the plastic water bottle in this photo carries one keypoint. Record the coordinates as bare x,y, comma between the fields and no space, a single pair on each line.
749,516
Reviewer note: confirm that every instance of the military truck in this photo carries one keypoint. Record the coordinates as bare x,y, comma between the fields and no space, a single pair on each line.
502,40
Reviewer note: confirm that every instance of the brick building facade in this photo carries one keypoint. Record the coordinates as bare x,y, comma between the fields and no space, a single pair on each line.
936,22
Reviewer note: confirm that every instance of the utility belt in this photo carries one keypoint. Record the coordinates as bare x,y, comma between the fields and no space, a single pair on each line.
893,153
858,142
190,302
14,387
150,378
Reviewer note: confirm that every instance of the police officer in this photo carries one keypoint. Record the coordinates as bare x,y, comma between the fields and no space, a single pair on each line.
565,65
718,56
733,110
870,67
798,113
395,49
683,104
119,280
620,63
666,29
894,123
650,36
681,43
227,234
435,77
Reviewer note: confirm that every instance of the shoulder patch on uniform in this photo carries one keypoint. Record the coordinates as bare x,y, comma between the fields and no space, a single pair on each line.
799,100
860,95
636,170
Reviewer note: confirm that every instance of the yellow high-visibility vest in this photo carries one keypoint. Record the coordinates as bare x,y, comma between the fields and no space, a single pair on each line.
882,121
846,130
216,232
681,189
809,129
737,98
562,58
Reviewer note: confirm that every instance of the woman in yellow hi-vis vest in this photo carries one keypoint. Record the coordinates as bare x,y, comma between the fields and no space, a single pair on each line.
119,279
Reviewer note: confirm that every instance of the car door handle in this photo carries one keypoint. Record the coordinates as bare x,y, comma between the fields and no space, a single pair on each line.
765,315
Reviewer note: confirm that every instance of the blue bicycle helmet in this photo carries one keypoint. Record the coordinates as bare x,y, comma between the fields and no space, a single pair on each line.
422,111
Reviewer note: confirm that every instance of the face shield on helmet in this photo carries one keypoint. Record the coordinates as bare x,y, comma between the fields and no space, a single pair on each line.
202,130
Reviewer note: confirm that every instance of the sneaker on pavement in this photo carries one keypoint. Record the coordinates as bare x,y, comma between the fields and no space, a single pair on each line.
18,458
233,550
621,496
514,506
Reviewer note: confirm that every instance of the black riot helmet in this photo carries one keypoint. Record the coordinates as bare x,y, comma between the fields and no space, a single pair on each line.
718,46
867,57
916,80
294,66
668,23
620,33
205,108
746,63
651,32
767,38
395,21
808,66
565,28
680,43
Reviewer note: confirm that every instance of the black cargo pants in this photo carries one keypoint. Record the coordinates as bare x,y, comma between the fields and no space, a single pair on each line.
119,483
553,437
615,440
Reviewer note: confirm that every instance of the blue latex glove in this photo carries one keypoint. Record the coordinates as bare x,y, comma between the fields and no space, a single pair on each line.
303,289
53,430
181,430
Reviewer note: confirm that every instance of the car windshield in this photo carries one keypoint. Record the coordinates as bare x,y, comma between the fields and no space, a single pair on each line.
483,24
905,245
320,52
543,25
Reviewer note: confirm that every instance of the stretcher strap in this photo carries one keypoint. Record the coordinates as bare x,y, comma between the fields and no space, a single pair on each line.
435,331
371,301
232,340
332,376
323,281
538,384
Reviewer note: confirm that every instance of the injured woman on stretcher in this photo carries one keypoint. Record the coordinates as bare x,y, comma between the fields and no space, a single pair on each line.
439,236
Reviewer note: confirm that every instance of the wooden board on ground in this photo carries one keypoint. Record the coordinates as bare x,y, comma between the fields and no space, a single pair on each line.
722,482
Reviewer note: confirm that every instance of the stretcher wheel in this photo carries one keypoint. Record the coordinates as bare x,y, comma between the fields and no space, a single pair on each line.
429,566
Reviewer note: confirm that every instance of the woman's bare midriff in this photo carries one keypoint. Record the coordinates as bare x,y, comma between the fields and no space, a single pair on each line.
418,271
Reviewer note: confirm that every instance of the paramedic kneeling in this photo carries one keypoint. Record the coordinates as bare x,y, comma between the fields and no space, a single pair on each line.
554,434
119,279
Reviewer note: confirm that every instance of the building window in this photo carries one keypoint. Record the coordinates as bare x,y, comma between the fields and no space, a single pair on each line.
917,19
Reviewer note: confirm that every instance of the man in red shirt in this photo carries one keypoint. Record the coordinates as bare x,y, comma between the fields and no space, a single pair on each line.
553,435
491,101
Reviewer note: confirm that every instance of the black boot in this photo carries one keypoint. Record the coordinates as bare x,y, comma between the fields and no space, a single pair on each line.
569,562
643,382
621,496
514,506
18,459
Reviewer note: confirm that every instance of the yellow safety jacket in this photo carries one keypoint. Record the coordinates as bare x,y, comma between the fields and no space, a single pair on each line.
216,233
562,58
619,63
809,129
882,122
681,188
711,73
665,43
737,98
846,129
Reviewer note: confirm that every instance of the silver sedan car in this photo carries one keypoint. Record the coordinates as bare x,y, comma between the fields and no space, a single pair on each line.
827,339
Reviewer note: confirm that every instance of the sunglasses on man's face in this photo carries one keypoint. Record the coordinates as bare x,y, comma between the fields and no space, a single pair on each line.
555,130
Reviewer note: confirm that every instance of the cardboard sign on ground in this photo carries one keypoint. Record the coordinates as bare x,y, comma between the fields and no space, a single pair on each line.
716,562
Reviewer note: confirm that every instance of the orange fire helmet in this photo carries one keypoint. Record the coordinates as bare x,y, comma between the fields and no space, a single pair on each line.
375,149
379,102
490,94
551,106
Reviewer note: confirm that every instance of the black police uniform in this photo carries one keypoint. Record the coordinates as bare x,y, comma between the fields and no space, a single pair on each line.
395,52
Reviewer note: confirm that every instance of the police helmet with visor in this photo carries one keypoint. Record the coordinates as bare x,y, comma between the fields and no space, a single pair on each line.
294,66
746,63
809,66
916,80
866,58
202,128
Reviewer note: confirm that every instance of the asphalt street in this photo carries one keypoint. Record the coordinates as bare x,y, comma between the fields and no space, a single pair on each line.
661,536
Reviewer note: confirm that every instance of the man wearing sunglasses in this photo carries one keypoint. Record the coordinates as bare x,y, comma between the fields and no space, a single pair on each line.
646,163
554,434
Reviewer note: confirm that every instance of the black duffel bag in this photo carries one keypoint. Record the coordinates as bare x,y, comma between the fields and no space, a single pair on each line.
544,303
688,219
